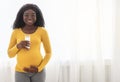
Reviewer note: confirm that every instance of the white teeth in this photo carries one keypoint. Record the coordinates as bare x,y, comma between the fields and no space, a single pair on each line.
29,21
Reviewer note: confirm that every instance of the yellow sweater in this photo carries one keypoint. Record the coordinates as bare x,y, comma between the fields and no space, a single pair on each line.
33,56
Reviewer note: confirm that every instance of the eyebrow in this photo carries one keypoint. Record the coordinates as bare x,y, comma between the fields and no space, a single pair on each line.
27,13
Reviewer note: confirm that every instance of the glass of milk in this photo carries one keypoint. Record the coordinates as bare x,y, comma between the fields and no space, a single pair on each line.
27,38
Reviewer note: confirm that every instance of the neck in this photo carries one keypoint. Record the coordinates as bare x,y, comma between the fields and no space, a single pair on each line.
29,27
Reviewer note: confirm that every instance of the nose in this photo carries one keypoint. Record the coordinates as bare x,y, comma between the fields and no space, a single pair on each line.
29,17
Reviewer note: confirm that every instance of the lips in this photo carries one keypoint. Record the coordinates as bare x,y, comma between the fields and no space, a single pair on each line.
30,22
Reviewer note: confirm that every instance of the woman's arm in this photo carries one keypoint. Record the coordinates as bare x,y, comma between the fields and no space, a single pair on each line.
47,48
12,49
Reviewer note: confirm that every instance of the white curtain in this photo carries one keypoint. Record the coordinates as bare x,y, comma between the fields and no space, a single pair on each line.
116,57
84,37
85,41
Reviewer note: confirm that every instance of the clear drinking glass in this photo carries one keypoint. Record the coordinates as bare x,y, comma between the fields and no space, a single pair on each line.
27,37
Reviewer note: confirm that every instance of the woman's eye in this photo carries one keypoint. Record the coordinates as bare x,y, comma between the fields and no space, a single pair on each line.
26,15
33,15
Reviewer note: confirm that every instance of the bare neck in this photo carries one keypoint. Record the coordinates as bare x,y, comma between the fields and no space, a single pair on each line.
29,29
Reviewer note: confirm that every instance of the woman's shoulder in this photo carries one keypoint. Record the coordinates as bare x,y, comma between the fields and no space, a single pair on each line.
43,29
16,30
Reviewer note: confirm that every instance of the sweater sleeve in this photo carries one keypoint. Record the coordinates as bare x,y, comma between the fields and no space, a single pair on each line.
47,48
12,49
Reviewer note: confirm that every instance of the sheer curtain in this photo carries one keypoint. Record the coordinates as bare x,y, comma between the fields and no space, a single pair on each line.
82,36
116,57
87,42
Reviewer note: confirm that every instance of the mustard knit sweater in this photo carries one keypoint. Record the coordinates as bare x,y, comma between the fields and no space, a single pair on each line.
33,56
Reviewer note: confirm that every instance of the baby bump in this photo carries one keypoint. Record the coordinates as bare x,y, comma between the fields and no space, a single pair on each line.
29,59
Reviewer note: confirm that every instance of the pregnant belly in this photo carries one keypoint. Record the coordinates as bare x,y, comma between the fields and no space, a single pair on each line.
26,61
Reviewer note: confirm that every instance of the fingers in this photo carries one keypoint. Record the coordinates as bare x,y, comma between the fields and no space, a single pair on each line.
23,44
27,45
34,68
26,69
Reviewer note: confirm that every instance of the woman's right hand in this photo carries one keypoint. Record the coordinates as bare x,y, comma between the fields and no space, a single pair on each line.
23,44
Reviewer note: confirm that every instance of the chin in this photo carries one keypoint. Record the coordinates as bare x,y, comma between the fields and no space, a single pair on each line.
30,24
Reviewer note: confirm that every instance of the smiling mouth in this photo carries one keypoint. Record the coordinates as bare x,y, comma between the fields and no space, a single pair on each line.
29,21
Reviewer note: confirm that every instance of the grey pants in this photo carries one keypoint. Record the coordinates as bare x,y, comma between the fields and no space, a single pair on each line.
30,77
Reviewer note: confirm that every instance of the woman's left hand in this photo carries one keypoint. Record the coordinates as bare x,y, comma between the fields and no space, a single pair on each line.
32,69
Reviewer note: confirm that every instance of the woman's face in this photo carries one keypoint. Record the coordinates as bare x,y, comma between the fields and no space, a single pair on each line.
29,17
